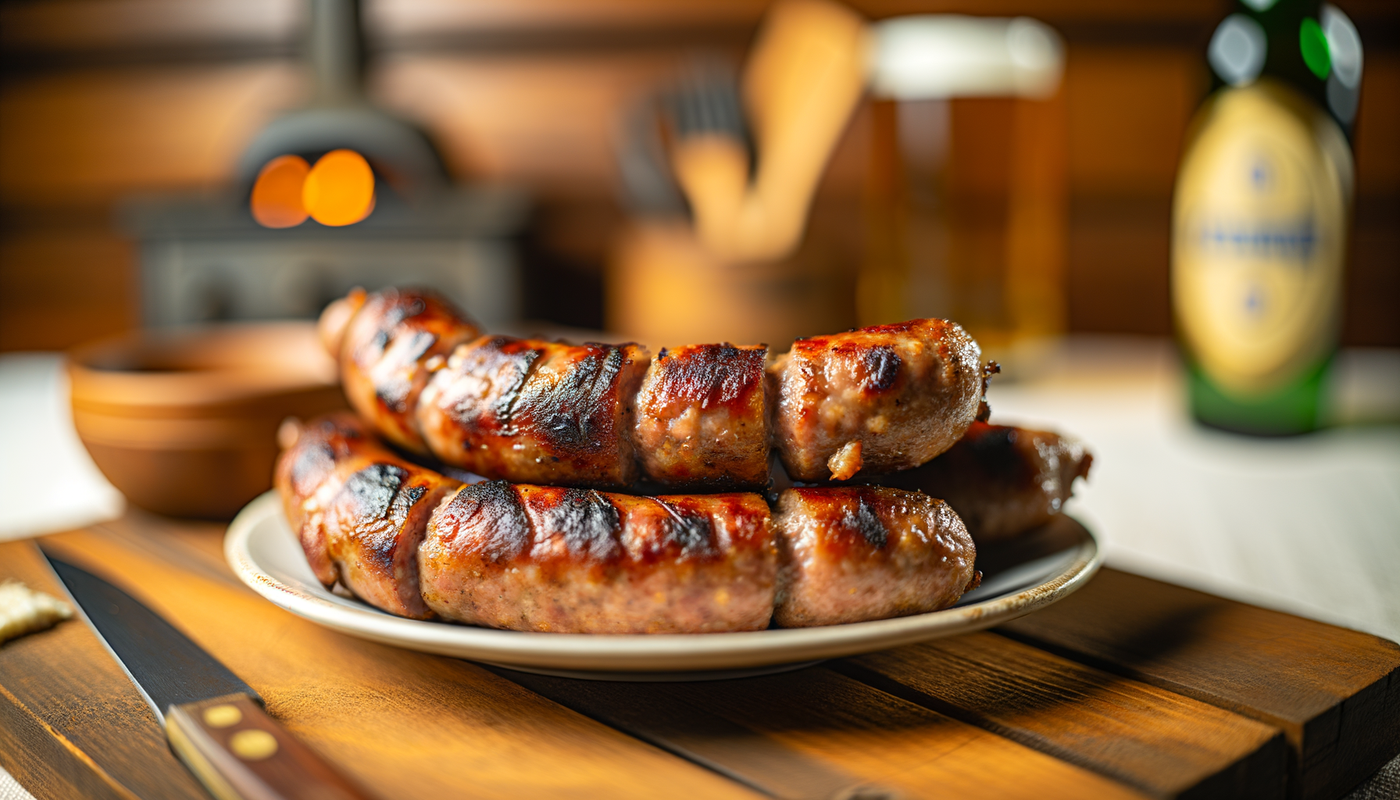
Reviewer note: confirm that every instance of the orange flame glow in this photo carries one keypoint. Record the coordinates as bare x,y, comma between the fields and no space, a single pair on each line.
340,189
276,200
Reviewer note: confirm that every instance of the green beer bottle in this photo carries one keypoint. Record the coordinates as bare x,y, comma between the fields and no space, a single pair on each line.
1260,215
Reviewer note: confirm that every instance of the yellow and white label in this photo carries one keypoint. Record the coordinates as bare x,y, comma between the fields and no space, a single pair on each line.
1259,235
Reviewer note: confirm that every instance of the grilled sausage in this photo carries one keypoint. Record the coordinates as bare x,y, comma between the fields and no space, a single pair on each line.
359,511
384,348
535,558
851,554
874,400
538,558
702,417
536,411
1002,481
878,399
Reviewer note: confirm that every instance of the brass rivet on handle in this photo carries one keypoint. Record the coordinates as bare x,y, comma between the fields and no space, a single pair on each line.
252,744
222,716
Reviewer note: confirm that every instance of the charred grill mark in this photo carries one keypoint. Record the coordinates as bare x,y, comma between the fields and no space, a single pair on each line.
574,417
497,369
389,310
587,521
835,506
521,363
865,521
396,388
692,532
494,509
394,392
710,374
421,342
372,490
378,343
882,365
408,498
320,446
380,502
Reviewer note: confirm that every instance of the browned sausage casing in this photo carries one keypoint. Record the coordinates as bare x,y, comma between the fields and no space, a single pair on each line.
852,554
359,511
702,417
1002,481
384,350
539,558
535,558
530,410
875,400
878,399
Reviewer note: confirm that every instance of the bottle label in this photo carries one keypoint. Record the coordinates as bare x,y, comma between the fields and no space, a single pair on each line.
1259,239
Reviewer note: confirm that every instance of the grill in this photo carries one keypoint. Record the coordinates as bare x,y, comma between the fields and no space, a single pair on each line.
206,258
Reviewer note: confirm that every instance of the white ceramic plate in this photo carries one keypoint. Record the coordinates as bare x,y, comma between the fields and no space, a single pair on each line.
1037,570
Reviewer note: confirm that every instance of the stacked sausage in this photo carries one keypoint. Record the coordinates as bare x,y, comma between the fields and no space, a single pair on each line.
704,417
1001,480
567,557
546,558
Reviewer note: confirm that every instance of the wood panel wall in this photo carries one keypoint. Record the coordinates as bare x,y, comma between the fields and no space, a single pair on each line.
104,99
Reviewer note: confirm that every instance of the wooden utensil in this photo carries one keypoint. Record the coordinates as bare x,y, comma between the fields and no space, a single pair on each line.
803,80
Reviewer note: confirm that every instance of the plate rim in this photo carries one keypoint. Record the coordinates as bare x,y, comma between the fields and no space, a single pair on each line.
640,653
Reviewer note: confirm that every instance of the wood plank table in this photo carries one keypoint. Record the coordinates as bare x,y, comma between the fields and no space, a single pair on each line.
1129,688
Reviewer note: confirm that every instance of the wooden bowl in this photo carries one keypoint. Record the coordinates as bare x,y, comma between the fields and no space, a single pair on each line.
184,422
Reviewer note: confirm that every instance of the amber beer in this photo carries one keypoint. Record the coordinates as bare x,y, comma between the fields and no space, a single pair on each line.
1260,216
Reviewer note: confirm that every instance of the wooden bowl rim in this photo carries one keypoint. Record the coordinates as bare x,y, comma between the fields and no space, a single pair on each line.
246,362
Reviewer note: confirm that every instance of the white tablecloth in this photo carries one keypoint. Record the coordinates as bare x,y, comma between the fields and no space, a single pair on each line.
1307,524
47,481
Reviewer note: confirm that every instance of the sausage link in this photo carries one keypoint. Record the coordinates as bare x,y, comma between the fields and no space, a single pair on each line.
545,558
385,349
875,400
702,417
1003,481
850,554
359,511
548,558
536,411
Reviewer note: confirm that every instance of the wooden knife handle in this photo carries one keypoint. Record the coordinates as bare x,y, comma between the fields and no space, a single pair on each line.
240,753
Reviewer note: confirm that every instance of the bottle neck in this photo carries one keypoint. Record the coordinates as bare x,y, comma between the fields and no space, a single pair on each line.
1307,45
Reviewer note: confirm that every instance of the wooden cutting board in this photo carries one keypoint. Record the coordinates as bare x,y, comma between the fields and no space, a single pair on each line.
1129,688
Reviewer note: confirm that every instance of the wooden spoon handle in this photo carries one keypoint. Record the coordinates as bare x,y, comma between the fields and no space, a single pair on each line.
240,753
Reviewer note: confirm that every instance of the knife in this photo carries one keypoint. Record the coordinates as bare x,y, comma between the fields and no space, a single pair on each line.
214,722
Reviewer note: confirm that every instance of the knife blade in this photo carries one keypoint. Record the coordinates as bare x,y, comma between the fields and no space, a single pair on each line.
215,723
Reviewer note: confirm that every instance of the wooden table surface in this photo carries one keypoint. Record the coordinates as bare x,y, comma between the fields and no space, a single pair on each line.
1129,688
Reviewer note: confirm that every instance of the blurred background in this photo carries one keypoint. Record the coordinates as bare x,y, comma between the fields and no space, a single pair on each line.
691,171
106,104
